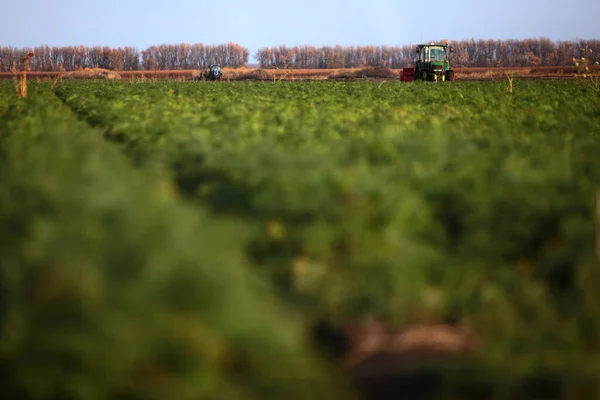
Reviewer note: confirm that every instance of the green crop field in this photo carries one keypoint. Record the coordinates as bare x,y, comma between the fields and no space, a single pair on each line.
178,239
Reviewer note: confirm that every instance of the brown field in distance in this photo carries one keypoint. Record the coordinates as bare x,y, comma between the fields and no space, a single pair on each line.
477,73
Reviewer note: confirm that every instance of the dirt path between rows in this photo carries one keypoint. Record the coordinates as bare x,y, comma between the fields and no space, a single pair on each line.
462,74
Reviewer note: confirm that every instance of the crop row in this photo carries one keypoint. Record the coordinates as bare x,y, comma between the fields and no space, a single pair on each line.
410,203
361,197
111,287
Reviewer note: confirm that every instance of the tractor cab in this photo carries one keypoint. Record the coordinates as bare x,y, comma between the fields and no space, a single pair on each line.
429,53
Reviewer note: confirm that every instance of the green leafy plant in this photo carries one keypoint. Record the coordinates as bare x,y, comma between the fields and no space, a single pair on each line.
112,287
408,204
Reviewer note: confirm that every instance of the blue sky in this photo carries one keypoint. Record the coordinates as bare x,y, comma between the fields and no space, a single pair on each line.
258,23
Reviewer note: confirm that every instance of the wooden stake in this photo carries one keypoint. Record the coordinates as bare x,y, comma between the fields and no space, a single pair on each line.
23,86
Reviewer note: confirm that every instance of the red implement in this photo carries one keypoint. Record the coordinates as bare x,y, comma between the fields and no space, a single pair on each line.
407,74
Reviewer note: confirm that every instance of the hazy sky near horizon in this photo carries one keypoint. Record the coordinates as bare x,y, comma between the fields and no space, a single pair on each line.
259,23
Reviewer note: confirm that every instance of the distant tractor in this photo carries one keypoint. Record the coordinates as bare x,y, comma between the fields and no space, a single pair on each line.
432,64
215,73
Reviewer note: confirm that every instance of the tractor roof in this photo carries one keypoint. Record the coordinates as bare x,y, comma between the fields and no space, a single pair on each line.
433,44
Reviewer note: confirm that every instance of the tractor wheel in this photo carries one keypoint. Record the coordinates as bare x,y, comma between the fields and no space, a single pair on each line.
424,76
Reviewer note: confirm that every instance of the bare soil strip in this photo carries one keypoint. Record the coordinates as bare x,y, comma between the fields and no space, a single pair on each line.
462,74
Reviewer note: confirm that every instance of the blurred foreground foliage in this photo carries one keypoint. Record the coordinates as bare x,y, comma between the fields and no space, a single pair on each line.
417,203
411,203
111,287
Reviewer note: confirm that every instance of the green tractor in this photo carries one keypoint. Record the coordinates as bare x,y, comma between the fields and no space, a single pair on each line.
432,64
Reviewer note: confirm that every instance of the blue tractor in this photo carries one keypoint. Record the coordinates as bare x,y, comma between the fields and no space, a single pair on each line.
215,73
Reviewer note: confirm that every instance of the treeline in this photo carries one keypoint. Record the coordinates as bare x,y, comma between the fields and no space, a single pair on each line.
194,56
163,57
468,53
